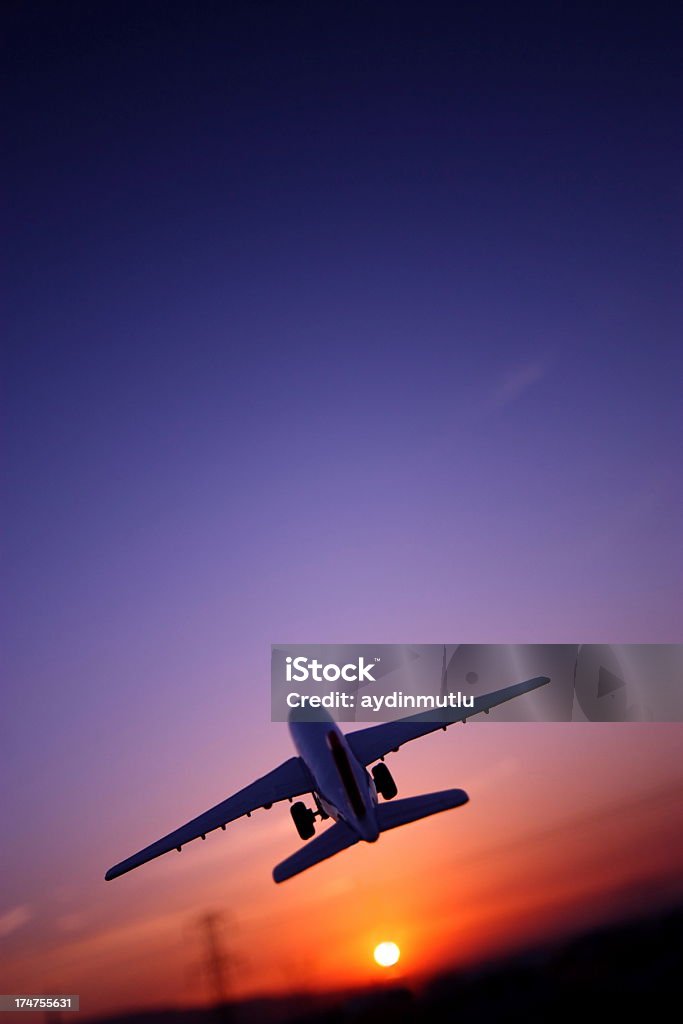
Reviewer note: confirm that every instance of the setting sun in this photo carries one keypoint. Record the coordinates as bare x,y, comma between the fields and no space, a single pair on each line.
386,954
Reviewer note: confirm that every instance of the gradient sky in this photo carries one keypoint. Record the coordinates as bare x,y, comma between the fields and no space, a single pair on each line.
328,323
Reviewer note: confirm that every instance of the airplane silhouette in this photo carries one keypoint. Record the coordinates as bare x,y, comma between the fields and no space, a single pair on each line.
333,768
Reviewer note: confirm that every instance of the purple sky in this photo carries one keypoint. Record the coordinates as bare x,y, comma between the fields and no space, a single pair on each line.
337,323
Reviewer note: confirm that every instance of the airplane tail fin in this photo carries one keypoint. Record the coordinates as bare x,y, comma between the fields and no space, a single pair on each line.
402,812
335,839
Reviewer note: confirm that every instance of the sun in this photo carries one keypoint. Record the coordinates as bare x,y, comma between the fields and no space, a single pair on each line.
387,954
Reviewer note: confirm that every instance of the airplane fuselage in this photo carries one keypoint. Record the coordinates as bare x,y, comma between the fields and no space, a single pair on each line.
334,769
343,786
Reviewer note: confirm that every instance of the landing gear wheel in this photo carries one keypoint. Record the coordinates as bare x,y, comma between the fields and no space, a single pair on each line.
384,781
304,819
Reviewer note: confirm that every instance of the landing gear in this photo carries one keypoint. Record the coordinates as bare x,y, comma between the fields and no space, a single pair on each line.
303,818
321,812
384,781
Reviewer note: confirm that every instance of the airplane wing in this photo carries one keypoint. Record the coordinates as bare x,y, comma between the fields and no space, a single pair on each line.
291,778
336,838
369,745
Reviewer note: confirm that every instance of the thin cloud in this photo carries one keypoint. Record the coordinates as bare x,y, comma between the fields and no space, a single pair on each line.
516,383
13,919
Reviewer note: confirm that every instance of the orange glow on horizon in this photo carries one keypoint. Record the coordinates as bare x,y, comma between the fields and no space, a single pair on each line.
550,844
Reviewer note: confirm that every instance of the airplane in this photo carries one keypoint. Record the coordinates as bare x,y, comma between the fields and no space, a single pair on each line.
332,767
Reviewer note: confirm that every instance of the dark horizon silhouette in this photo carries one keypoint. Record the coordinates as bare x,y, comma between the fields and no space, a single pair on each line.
625,967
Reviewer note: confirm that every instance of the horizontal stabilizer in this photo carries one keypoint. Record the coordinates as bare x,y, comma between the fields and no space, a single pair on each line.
402,812
335,839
